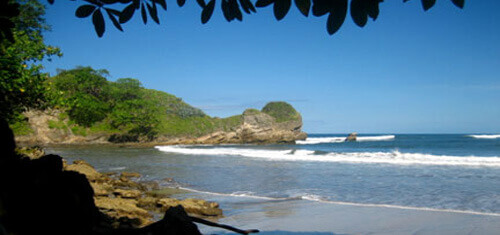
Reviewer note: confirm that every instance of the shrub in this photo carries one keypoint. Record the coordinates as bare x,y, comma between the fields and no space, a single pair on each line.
281,111
86,110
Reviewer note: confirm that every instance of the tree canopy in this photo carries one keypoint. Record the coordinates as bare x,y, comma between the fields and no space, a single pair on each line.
121,11
20,69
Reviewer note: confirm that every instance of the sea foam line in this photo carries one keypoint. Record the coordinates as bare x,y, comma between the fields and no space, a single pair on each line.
485,136
316,198
412,208
319,140
237,194
394,157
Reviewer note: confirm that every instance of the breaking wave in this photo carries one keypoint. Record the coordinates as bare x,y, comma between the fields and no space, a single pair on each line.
394,157
319,140
317,198
485,136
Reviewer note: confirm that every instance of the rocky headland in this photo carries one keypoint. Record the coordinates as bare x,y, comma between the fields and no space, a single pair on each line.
277,122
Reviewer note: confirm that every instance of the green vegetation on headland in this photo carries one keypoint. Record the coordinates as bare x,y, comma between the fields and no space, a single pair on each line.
82,102
89,104
281,111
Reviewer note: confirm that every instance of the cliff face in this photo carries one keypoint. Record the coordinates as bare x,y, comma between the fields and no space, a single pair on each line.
259,128
44,133
277,122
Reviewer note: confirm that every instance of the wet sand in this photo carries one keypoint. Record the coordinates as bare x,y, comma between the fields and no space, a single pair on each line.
308,217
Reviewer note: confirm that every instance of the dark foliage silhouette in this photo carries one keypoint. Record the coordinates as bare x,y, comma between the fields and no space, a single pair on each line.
336,10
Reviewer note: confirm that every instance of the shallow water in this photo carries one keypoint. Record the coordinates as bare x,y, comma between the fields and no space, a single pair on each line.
421,172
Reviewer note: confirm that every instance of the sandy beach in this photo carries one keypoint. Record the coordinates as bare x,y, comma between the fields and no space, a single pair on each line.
308,217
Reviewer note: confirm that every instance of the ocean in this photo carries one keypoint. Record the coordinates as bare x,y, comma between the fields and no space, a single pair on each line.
433,172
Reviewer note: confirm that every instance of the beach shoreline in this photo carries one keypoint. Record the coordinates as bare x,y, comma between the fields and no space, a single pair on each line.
310,217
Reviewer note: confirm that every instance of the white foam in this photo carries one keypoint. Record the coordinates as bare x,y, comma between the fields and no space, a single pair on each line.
412,208
235,194
319,140
485,136
120,168
394,157
312,197
375,138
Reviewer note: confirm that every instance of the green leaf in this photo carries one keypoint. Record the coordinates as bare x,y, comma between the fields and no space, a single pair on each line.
113,11
162,3
427,4
337,16
225,10
207,12
372,8
153,12
127,13
321,7
201,3
137,4
304,6
113,19
459,3
234,8
358,13
247,6
281,8
181,2
143,13
264,3
84,11
98,21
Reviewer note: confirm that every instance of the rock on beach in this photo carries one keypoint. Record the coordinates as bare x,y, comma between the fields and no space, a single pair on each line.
123,199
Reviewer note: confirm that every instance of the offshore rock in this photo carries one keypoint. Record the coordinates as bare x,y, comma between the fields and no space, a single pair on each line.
352,137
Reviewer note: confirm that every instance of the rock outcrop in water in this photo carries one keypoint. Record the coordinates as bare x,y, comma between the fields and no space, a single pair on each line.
352,137
277,122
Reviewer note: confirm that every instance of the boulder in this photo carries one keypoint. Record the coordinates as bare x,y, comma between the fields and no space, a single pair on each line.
130,174
165,203
120,207
352,137
192,206
84,168
123,193
101,189
148,203
201,207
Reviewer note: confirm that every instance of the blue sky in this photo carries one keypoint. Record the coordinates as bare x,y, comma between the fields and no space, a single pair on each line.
410,71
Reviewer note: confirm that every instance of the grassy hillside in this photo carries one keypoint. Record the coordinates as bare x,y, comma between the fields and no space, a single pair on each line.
90,104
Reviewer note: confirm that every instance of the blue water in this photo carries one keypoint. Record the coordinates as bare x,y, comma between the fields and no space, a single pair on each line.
450,172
